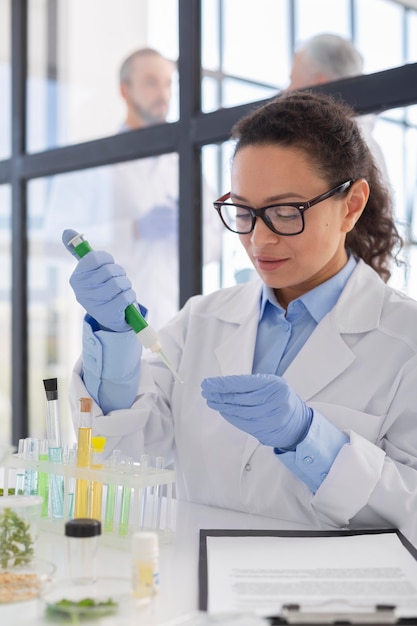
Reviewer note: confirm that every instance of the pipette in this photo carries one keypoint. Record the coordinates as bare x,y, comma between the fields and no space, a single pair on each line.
79,247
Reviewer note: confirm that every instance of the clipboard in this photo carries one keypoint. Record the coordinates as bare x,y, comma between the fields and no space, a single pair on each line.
293,613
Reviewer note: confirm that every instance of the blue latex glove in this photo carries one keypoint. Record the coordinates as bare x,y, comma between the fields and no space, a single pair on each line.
159,223
103,289
263,405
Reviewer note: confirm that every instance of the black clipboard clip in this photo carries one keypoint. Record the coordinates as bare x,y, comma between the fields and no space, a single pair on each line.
298,615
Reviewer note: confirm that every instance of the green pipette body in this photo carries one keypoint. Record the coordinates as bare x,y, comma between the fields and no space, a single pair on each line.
132,315
134,318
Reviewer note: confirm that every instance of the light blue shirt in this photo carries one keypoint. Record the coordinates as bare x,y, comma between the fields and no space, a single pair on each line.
281,335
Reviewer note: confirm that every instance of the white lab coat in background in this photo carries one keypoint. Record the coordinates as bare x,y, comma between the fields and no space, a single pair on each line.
107,203
358,368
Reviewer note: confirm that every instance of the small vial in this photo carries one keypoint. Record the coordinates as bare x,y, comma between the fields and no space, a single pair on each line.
145,571
83,535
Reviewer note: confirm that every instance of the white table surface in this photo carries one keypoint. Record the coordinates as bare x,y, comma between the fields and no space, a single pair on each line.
178,568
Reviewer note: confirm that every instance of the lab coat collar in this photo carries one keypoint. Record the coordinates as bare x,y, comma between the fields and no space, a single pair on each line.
326,354
358,310
360,304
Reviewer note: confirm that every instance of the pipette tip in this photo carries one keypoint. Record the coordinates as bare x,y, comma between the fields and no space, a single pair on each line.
170,367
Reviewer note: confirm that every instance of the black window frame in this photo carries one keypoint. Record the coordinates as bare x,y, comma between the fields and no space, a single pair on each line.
367,94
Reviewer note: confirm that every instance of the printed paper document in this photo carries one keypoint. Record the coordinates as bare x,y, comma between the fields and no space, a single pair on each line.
344,573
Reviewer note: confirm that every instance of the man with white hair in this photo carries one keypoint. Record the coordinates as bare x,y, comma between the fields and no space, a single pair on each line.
328,57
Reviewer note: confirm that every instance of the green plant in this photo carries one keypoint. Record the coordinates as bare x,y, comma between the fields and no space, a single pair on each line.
87,607
16,543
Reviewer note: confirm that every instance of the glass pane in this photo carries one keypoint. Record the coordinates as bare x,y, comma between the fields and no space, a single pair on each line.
236,91
130,210
233,266
379,51
5,80
247,55
329,17
412,37
255,42
5,315
393,145
75,92
322,16
210,32
249,48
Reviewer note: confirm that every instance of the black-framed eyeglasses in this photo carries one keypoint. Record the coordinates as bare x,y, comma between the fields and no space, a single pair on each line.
283,219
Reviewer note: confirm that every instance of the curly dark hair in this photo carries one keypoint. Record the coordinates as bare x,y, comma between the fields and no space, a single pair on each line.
325,128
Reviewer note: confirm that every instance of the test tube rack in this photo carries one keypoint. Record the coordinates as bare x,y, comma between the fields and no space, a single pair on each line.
149,490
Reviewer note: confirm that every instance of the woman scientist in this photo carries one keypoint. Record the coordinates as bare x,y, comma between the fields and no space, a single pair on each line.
299,400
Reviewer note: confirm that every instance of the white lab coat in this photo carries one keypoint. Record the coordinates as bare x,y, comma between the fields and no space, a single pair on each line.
106,204
358,368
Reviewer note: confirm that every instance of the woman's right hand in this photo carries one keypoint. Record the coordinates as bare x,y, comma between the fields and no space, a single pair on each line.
103,289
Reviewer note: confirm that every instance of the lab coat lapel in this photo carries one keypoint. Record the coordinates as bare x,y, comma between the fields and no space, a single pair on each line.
235,353
326,354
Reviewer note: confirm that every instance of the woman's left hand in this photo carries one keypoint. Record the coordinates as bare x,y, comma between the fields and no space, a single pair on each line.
263,405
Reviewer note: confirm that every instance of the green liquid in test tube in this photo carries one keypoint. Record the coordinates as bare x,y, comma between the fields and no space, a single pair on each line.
146,334
125,501
43,478
111,493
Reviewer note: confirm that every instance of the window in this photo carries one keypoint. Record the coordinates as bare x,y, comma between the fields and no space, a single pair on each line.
70,106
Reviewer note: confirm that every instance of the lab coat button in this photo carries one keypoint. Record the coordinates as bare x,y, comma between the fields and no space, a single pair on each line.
92,358
92,341
324,475
308,459
248,467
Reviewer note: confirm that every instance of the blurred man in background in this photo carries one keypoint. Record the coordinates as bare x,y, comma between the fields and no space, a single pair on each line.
146,87
130,209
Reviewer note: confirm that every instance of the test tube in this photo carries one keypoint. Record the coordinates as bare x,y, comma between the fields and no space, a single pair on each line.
96,487
20,473
56,484
31,452
125,501
43,478
83,457
144,467
111,494
70,458
53,434
53,426
157,495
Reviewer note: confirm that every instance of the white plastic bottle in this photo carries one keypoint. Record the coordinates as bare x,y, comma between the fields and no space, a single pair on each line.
145,565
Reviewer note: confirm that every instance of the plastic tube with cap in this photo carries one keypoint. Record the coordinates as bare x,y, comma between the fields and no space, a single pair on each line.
85,430
53,434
